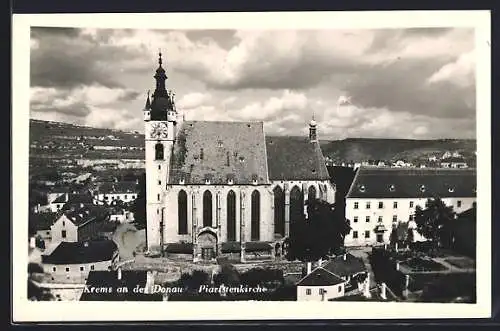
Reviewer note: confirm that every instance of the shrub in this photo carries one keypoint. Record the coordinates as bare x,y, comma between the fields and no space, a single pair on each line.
179,248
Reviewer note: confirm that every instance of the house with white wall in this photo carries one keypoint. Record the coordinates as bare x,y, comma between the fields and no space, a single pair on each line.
380,197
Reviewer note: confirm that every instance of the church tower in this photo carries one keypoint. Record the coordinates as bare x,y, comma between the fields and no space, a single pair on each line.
160,119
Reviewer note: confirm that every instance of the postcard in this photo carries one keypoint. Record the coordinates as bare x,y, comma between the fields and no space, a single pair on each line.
227,166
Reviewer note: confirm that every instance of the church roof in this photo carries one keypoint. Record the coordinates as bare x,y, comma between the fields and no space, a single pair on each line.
295,158
375,182
219,151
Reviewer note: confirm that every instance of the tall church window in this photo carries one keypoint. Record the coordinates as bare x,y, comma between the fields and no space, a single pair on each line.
159,151
207,208
279,211
182,212
255,224
296,205
231,216
311,193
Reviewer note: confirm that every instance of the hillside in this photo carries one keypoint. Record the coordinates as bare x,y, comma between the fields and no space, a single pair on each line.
360,149
65,138
41,131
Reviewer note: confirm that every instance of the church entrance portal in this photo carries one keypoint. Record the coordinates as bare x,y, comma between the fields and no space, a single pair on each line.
207,242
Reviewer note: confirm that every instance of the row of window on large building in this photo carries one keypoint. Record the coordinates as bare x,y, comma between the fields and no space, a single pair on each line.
395,204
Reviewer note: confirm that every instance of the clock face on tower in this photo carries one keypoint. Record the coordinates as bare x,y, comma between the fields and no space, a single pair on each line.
158,131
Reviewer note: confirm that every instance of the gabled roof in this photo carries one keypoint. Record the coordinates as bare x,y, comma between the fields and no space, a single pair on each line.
109,279
81,252
218,151
374,182
320,277
85,214
348,267
295,158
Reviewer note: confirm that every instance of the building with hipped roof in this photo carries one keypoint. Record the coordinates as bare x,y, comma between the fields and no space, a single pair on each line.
71,262
333,278
381,197
215,182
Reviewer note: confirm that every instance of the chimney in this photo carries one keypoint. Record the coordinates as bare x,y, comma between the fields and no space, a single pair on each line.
383,291
397,266
66,197
385,247
344,257
396,246
119,273
309,267
32,242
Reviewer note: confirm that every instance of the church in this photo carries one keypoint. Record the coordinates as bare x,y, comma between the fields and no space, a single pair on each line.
216,184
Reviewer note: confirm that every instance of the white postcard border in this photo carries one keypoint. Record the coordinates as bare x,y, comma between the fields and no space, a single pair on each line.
27,311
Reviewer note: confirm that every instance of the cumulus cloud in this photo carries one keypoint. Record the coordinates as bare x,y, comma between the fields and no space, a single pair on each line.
460,72
289,102
193,100
399,82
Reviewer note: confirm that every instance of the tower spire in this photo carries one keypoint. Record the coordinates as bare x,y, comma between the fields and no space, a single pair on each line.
159,59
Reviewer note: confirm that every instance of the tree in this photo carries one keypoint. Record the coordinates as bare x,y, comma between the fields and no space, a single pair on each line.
139,204
410,236
321,234
393,238
434,222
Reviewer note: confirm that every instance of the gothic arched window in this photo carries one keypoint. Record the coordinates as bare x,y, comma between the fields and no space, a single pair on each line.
255,224
231,216
311,193
296,205
159,151
182,212
207,208
279,211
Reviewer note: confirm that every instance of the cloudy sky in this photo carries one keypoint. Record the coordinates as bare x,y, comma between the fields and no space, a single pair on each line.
392,83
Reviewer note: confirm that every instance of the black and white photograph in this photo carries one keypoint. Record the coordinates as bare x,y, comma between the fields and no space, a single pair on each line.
250,165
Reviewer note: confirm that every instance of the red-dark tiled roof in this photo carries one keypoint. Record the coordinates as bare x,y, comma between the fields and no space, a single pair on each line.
320,277
373,182
217,151
348,267
295,158
81,252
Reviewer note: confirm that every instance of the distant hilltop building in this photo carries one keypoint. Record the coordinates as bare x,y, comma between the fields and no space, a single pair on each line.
216,184
381,197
